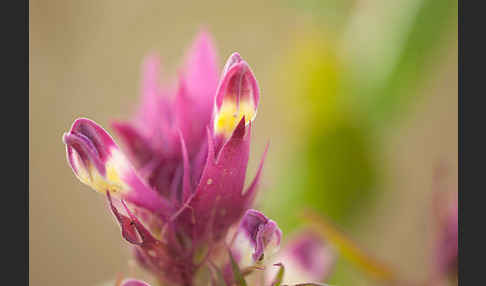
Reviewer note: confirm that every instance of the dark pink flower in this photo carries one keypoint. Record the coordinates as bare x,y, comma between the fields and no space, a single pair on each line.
180,187
177,188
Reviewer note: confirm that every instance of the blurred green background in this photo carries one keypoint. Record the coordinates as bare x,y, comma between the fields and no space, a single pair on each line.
359,102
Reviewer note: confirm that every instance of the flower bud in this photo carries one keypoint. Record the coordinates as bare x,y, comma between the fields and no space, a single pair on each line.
237,96
95,158
257,238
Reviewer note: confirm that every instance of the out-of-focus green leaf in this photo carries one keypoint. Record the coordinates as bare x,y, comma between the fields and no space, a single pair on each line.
219,277
341,172
239,279
280,274
414,45
349,249
330,12
335,176
345,274
333,170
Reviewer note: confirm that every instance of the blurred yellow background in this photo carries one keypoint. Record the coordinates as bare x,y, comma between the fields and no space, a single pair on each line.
85,61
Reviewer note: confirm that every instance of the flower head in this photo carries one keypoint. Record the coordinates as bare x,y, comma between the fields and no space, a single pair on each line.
177,187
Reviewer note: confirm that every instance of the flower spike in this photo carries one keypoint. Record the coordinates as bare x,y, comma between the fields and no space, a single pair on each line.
177,189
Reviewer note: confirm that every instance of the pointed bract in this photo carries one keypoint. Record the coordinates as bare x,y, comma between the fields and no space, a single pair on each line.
201,69
218,201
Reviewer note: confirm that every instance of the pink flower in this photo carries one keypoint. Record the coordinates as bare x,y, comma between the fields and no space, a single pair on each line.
181,185
177,187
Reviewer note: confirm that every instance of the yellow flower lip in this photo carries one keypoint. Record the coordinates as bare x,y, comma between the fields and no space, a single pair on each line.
230,114
237,96
94,157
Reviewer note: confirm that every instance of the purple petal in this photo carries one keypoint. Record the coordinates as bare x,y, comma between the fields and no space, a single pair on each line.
87,144
237,83
232,60
94,157
257,237
98,162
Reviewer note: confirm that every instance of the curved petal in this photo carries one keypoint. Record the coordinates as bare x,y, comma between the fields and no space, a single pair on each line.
237,97
257,237
98,162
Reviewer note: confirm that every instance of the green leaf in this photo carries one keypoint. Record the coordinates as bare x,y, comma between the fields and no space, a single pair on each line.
349,249
219,274
334,173
238,277
279,277
417,46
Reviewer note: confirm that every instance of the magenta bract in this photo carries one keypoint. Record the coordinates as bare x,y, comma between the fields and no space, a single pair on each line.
178,185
